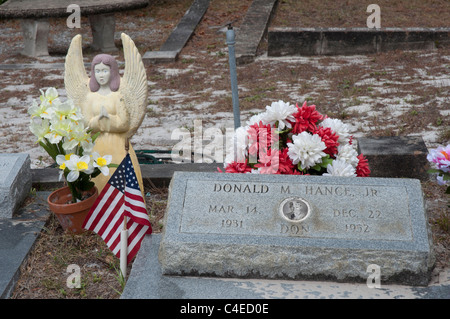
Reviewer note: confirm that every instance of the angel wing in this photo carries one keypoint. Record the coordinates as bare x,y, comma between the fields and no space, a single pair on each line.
133,85
75,77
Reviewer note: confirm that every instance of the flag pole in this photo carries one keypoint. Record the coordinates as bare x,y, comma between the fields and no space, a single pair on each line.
124,235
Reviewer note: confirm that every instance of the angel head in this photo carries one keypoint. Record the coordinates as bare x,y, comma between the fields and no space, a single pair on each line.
104,70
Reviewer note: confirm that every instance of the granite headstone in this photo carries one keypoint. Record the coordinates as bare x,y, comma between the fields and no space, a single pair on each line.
15,182
296,227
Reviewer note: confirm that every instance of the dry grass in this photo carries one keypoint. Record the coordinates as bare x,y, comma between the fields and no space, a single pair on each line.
352,13
45,273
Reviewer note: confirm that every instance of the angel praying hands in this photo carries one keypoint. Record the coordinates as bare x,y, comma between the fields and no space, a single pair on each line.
111,105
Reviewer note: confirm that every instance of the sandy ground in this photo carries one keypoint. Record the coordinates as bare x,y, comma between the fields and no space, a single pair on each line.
396,93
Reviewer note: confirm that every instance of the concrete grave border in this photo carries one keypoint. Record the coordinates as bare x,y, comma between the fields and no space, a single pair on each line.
351,41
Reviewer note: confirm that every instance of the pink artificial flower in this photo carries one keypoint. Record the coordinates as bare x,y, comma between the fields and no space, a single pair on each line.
269,162
441,157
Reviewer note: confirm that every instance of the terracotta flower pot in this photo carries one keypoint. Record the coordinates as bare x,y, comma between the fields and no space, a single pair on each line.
71,215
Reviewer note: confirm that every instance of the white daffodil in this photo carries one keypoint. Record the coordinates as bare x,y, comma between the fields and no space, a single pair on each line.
78,164
306,149
40,128
340,167
61,161
50,95
59,129
102,162
44,110
77,135
68,110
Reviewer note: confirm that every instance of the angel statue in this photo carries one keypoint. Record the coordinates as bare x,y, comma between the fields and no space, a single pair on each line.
111,105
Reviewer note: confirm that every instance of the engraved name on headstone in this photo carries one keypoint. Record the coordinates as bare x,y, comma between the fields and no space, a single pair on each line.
325,211
294,227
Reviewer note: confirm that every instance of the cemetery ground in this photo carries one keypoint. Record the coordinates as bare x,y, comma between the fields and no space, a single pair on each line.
395,93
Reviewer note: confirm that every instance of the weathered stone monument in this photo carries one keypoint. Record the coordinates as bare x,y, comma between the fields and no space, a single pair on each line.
296,228
15,182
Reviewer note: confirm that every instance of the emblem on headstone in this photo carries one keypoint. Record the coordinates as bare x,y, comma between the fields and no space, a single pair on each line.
294,209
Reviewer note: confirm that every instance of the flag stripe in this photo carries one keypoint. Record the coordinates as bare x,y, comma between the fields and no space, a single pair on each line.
96,214
120,197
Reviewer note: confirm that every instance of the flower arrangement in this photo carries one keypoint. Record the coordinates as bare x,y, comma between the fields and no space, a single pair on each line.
289,139
440,158
60,131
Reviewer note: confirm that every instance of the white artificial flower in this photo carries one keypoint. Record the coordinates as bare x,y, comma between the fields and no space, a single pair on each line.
306,149
255,119
67,110
340,167
339,128
102,162
78,164
237,146
61,161
44,110
49,95
280,112
77,135
58,129
40,128
348,153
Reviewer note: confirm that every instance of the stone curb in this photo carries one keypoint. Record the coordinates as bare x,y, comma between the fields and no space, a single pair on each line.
349,41
253,29
384,154
169,51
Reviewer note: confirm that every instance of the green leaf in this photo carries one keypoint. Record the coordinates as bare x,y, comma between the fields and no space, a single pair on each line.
325,161
433,171
448,191
94,137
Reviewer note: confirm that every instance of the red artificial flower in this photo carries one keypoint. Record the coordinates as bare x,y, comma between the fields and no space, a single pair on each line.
269,162
329,138
236,167
260,138
306,119
362,169
285,163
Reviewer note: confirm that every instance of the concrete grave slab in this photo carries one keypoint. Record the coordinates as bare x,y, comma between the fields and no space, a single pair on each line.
395,156
246,226
17,237
146,281
15,182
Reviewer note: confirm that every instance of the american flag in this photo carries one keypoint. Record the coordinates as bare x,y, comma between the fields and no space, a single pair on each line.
120,197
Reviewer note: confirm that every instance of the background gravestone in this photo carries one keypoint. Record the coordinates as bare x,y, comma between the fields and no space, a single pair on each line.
296,227
15,182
